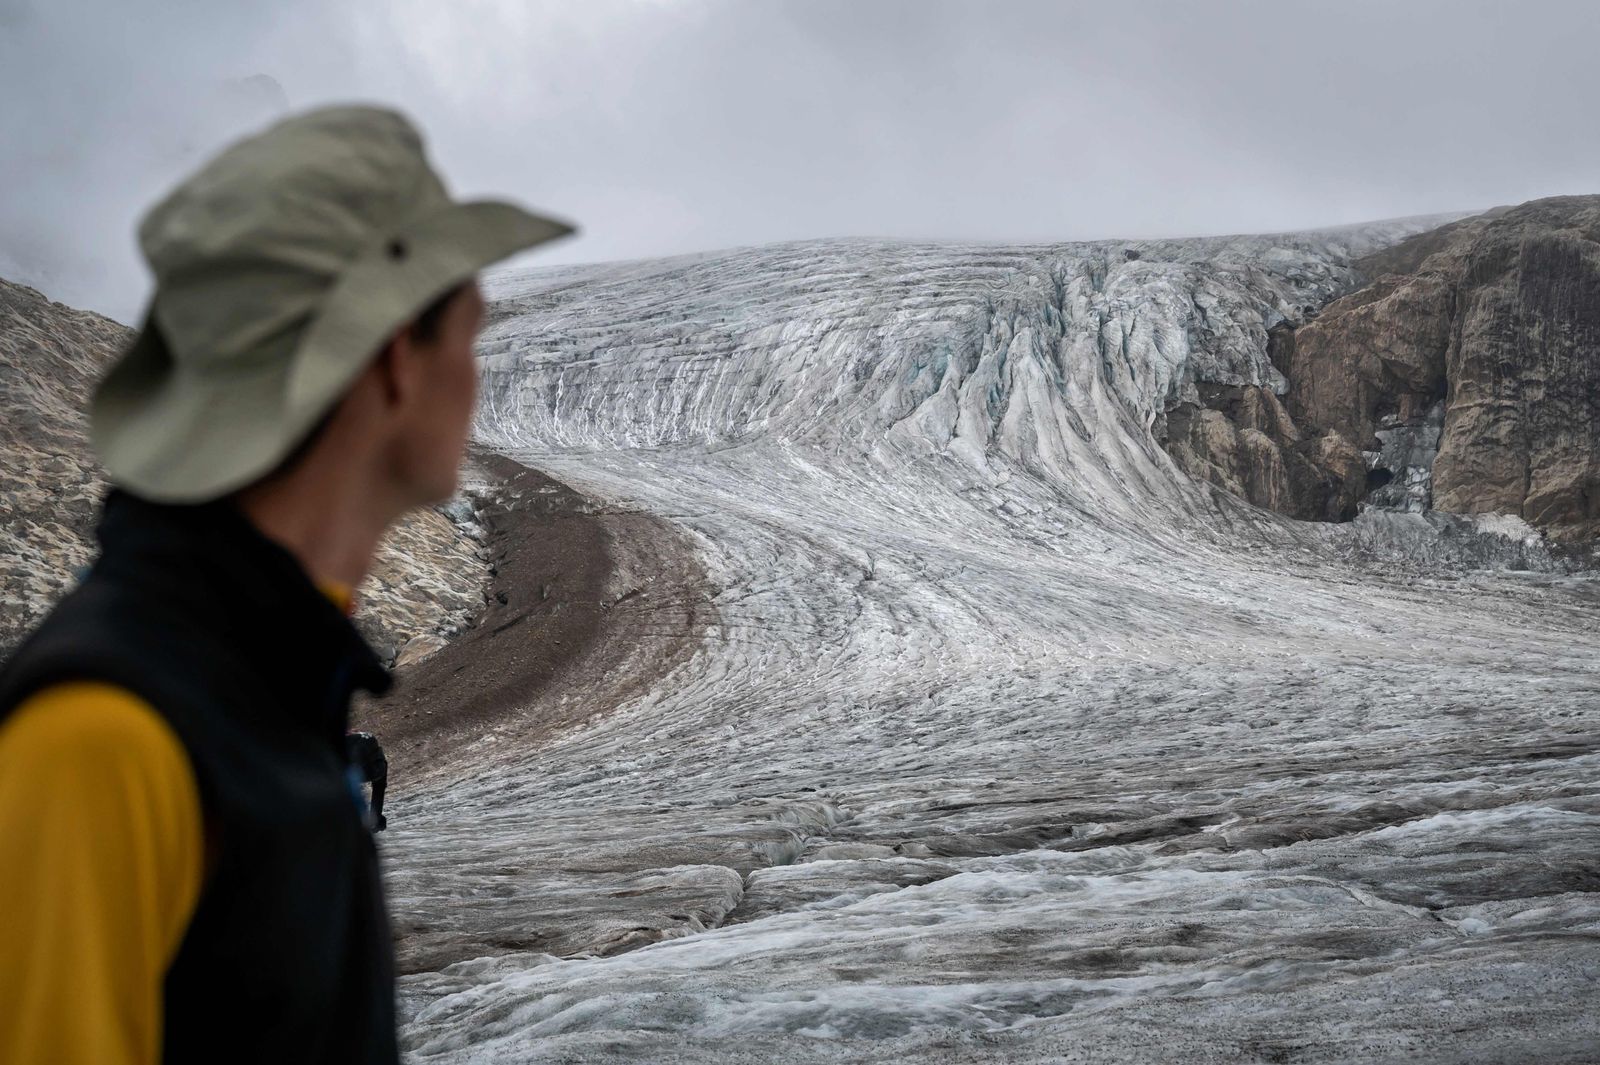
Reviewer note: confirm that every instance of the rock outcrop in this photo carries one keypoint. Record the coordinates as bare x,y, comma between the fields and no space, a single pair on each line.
1464,378
50,356
1243,439
426,583
1522,431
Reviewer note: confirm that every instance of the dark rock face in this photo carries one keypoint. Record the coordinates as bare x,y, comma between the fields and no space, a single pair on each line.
1244,439
1468,382
1522,430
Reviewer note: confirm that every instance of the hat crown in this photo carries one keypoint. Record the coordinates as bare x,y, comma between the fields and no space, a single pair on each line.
282,268
245,248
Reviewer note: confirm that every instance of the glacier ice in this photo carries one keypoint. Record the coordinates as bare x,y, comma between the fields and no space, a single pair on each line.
1003,739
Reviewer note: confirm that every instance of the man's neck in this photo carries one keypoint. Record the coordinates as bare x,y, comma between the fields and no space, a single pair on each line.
332,524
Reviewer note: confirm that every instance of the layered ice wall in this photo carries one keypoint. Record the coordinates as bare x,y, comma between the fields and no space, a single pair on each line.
1055,360
1004,740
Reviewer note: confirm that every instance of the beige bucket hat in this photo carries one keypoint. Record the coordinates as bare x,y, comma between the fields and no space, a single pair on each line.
282,267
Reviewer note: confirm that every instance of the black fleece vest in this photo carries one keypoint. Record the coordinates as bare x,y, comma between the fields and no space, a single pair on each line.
288,957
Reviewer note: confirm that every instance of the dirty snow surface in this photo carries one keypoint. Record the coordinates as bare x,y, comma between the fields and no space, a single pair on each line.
1003,741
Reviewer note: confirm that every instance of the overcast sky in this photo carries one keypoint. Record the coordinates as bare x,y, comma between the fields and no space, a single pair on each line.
679,125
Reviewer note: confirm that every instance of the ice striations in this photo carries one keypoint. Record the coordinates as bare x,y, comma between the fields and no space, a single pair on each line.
1005,740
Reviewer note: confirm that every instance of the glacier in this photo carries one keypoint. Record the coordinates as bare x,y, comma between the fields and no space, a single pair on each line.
1001,739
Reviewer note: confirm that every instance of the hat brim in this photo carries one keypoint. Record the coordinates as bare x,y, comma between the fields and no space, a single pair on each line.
382,292
177,436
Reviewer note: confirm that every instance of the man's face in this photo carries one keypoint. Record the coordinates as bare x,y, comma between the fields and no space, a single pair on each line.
432,438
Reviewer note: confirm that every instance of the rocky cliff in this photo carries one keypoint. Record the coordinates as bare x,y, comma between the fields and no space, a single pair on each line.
1464,377
50,491
427,582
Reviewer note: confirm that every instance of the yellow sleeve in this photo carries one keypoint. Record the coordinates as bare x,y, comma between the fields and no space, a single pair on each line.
101,860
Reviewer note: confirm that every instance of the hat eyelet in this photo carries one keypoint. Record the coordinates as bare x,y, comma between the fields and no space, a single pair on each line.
396,249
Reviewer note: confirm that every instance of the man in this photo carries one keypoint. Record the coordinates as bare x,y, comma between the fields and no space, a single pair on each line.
184,875
370,767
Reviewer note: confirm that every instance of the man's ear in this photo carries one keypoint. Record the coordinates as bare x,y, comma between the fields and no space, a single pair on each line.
395,368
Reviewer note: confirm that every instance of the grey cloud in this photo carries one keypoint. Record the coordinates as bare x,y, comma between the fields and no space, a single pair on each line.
668,127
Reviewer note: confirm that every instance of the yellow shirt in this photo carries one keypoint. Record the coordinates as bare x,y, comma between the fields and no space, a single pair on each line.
102,857
101,861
